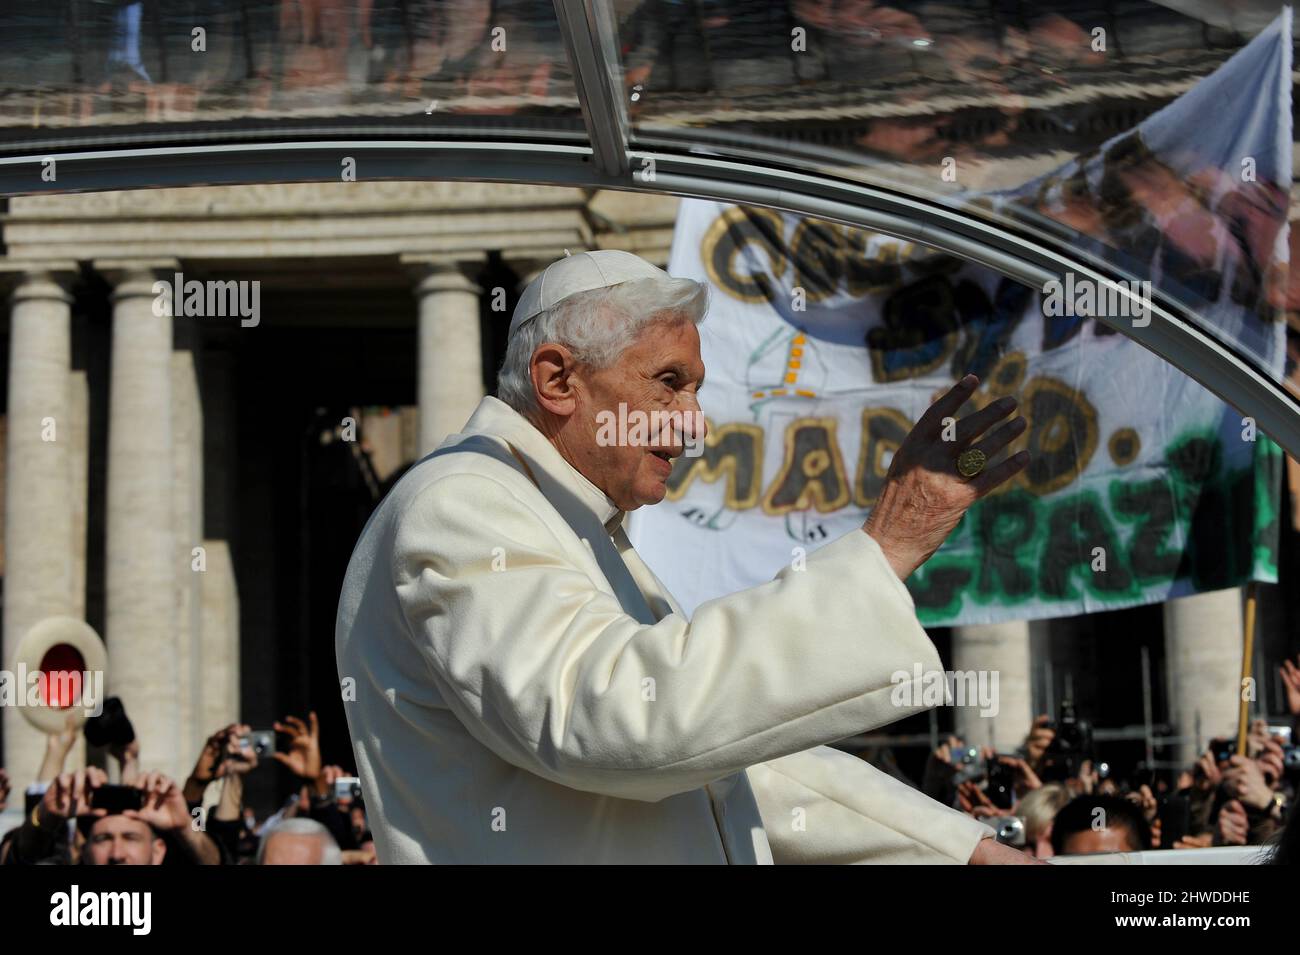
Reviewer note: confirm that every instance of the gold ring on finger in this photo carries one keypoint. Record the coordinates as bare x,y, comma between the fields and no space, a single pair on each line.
971,462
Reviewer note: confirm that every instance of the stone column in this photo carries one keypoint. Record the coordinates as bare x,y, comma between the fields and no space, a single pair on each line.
141,561
1001,648
450,356
39,512
1203,640
187,500
218,691
79,452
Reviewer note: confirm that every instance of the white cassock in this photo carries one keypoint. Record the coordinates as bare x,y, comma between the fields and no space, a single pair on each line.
526,690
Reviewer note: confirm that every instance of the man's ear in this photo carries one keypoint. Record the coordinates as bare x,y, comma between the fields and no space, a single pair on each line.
552,370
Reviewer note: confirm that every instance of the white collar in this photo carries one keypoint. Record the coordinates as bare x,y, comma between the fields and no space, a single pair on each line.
495,417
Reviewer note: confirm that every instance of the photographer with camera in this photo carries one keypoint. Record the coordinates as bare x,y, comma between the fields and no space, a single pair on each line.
1241,800
950,765
146,823
1020,794
333,793
331,790
210,766
227,755
1257,787
1225,800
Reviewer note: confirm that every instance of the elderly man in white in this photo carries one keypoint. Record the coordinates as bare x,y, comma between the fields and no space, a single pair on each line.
527,691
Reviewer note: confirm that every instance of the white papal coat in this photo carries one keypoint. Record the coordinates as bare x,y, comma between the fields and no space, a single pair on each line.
527,691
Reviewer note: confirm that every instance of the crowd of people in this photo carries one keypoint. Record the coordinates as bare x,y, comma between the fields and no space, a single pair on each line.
78,817
1052,797
1056,797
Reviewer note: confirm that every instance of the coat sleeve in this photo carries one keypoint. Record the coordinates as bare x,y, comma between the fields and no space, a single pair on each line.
827,806
542,665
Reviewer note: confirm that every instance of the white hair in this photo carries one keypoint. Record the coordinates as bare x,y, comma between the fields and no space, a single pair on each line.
330,853
597,326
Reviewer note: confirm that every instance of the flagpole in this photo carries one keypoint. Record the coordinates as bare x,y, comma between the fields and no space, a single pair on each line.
1247,661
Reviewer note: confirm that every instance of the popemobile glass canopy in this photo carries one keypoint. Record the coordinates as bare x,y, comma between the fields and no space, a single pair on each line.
1144,144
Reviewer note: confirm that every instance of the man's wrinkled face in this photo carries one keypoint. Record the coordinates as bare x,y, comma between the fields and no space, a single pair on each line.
120,840
659,374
